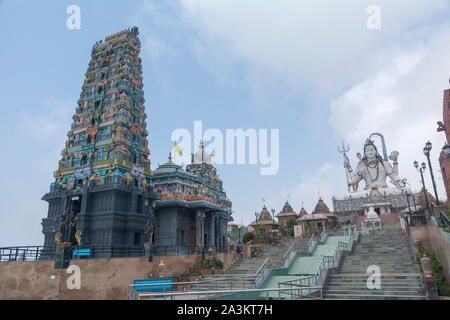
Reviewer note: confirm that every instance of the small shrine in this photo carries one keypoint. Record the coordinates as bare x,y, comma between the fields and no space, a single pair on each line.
320,219
286,213
372,219
264,220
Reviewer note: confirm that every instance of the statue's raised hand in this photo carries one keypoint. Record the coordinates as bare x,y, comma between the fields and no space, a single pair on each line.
394,156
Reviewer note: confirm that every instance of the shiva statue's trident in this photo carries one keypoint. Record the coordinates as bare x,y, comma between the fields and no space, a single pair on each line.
344,149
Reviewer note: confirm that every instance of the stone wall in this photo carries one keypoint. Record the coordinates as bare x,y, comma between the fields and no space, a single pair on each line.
432,238
100,278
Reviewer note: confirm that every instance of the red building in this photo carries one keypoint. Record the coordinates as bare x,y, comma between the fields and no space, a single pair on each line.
444,158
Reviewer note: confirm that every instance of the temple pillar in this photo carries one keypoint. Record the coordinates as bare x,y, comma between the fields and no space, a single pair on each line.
199,228
212,233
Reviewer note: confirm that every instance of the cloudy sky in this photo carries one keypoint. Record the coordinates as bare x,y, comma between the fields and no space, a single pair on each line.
312,69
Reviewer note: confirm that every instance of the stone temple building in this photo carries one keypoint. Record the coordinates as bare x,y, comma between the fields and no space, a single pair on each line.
192,210
264,220
286,213
320,218
104,194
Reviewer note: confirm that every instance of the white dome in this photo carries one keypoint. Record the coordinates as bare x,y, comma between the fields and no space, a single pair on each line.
201,156
371,214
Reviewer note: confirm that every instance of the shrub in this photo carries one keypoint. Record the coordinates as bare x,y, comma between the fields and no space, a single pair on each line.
248,236
290,223
217,263
436,266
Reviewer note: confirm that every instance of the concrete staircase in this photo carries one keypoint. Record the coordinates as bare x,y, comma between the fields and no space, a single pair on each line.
390,250
248,267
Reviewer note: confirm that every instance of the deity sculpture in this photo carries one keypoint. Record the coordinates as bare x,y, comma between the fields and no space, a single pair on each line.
374,170
78,237
149,229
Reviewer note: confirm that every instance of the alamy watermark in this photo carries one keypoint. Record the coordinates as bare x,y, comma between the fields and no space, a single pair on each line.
374,17
374,280
236,146
74,281
73,22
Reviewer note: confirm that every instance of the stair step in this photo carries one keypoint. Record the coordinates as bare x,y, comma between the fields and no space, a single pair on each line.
372,297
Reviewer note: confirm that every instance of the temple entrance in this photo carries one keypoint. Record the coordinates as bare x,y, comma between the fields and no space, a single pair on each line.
192,237
70,220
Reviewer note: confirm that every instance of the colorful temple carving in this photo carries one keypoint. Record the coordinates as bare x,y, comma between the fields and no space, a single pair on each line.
192,204
108,138
103,193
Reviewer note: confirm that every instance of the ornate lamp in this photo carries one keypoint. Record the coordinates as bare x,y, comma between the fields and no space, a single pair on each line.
426,151
427,148
421,170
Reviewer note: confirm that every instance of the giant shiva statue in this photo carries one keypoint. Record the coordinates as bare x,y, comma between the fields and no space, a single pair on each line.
373,169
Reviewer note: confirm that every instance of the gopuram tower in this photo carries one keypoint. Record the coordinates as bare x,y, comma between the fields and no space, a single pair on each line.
102,194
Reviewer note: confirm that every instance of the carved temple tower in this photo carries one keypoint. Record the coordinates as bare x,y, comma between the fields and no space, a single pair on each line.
102,188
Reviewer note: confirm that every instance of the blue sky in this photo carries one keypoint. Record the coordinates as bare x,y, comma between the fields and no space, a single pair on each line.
311,69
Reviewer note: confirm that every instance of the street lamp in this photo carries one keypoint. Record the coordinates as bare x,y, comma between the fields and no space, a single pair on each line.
426,151
256,220
421,169
408,221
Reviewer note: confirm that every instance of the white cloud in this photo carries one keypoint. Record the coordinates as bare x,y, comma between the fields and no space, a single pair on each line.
296,41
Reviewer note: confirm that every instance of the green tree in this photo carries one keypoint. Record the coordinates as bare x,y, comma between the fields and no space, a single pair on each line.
290,223
248,236
264,236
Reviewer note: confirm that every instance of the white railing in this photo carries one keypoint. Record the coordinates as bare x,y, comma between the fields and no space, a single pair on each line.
263,272
294,293
289,255
326,263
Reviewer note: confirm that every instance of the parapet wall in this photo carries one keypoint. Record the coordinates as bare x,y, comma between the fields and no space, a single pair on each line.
434,239
100,278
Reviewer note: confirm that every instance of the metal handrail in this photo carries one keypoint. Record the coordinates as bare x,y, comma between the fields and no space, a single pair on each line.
310,241
218,292
288,250
262,265
27,253
287,254
254,276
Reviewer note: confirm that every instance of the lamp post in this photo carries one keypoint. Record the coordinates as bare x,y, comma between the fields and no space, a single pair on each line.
426,151
256,220
408,221
421,169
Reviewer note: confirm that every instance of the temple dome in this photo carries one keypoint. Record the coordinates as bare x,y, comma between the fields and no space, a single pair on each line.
302,212
287,208
321,207
264,218
169,165
265,214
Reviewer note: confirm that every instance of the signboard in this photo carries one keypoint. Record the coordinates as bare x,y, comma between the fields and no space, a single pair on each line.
82,173
298,231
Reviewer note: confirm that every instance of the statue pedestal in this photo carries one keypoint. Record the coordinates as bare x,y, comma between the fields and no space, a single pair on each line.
148,251
62,255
